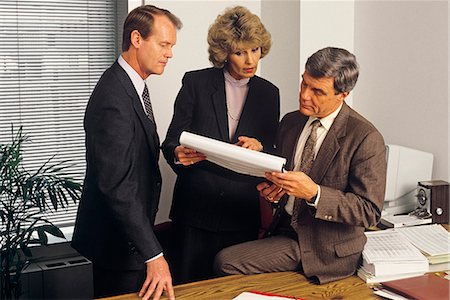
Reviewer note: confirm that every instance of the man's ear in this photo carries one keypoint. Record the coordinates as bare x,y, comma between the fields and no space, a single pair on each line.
343,95
135,38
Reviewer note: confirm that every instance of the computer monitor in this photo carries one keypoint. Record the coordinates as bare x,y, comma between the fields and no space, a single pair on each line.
405,168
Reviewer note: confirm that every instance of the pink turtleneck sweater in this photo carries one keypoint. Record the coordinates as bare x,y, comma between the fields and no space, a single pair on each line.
235,93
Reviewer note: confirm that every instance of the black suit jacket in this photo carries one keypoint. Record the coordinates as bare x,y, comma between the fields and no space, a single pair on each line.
123,182
205,195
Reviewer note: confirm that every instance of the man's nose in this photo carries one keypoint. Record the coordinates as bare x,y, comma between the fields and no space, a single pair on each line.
169,53
305,94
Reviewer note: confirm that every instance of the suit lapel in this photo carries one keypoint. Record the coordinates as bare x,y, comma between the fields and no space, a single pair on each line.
326,154
149,127
291,141
330,145
220,105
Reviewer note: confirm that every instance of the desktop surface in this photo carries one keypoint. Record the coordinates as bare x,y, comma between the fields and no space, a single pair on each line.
282,283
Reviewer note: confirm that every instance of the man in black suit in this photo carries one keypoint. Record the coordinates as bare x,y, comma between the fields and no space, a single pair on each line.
123,181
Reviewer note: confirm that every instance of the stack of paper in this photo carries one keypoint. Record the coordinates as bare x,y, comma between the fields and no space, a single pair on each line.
388,255
233,157
433,241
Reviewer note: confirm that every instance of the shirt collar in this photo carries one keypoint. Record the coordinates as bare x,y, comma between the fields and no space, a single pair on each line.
137,80
326,121
233,81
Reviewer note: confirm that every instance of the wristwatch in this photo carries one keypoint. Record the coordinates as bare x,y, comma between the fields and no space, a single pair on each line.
312,200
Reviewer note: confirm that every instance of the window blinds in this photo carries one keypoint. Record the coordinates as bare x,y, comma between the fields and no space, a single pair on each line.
52,54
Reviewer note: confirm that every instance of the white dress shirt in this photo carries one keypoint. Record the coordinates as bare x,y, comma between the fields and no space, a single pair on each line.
322,131
136,79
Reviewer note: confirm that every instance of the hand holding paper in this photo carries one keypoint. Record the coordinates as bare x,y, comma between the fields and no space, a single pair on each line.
187,156
233,157
249,143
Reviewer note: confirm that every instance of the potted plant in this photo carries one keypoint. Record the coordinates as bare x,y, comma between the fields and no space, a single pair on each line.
24,196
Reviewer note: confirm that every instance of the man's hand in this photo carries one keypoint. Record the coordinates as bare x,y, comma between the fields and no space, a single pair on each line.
270,192
187,156
158,280
249,143
296,184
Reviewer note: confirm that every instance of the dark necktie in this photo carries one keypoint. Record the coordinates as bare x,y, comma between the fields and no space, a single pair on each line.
148,104
308,150
306,164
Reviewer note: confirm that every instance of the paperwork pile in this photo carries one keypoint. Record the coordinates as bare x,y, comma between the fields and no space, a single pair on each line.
433,241
388,255
405,252
235,158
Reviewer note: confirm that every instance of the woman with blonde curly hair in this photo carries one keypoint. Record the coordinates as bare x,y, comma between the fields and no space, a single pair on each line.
213,207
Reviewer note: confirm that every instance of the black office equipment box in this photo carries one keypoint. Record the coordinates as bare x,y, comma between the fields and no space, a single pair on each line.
434,195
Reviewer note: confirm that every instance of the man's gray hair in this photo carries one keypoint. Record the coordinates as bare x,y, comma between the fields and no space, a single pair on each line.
335,63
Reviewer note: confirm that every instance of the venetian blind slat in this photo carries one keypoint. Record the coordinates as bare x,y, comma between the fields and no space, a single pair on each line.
52,54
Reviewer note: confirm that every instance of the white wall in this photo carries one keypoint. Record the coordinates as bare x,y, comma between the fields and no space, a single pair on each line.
323,24
402,47
281,65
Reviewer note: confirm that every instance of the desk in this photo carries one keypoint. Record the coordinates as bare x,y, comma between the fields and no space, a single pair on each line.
283,283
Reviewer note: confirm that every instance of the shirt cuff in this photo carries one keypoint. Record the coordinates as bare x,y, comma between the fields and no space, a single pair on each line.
315,199
154,257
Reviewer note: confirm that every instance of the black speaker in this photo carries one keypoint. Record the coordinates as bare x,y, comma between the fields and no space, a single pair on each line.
434,196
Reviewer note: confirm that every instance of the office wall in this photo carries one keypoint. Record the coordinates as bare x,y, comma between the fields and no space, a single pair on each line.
323,24
402,47
282,19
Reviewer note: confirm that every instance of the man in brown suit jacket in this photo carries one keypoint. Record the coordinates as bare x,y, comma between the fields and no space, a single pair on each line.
318,226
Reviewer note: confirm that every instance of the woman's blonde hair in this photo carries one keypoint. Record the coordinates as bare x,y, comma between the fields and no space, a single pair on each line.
235,27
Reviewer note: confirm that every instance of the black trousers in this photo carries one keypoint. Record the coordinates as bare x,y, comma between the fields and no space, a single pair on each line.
116,282
196,248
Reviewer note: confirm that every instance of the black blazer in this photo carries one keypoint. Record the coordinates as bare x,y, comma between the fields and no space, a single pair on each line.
123,182
205,195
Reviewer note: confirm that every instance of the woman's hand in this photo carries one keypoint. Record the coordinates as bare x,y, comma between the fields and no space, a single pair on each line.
187,156
249,143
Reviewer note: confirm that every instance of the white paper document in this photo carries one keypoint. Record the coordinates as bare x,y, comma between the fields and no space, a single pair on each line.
390,246
432,240
233,157
388,255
